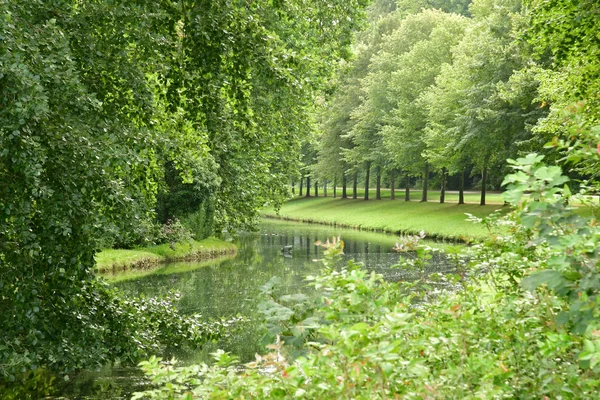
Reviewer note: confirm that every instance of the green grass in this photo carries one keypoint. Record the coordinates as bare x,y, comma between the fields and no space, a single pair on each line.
167,269
443,221
119,259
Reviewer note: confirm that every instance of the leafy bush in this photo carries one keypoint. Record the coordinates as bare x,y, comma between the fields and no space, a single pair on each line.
199,223
100,325
173,232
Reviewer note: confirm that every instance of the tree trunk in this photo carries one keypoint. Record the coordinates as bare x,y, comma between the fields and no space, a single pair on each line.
378,194
425,183
301,185
293,187
355,185
325,188
367,176
461,187
392,187
483,183
335,187
308,186
407,189
316,188
443,188
344,186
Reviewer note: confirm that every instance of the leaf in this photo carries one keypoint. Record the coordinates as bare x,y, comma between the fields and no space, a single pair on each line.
553,279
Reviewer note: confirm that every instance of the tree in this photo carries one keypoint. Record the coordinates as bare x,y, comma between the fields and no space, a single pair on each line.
406,66
103,103
339,151
478,110
564,35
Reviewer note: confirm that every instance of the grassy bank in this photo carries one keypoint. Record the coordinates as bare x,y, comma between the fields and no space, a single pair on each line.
120,259
442,221
165,269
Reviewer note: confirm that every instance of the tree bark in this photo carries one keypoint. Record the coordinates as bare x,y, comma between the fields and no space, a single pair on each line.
355,185
308,186
301,185
407,189
484,175
443,188
367,176
316,188
461,187
378,193
325,188
425,183
392,187
293,187
344,186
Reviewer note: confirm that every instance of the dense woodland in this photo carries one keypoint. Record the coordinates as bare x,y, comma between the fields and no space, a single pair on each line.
126,123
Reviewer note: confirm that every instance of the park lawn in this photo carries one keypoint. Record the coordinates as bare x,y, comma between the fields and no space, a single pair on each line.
119,259
440,221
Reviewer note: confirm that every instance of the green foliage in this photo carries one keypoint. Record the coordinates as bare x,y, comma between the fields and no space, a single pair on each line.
569,242
564,35
105,105
479,113
100,326
524,323
174,232
374,341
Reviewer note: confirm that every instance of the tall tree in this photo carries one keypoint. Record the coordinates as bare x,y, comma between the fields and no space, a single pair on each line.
407,65
564,35
478,110
104,102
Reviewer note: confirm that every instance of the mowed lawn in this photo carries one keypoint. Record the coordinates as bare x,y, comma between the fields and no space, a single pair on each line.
447,221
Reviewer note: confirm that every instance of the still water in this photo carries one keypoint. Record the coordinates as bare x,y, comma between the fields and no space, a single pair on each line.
231,287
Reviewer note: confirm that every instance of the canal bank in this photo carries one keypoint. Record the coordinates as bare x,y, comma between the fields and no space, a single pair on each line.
112,260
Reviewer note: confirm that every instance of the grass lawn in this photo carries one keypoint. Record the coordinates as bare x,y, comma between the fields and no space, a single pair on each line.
118,259
443,221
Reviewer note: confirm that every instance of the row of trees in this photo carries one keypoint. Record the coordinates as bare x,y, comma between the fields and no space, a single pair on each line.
455,88
114,113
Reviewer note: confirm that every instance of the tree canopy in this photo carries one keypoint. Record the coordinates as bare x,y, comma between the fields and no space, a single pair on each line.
107,107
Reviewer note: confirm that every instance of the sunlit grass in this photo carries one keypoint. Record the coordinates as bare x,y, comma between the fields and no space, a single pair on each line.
116,259
166,269
446,221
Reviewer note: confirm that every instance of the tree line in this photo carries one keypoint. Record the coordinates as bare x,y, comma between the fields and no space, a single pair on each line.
451,89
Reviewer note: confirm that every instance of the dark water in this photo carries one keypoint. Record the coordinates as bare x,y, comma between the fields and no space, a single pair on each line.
231,287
